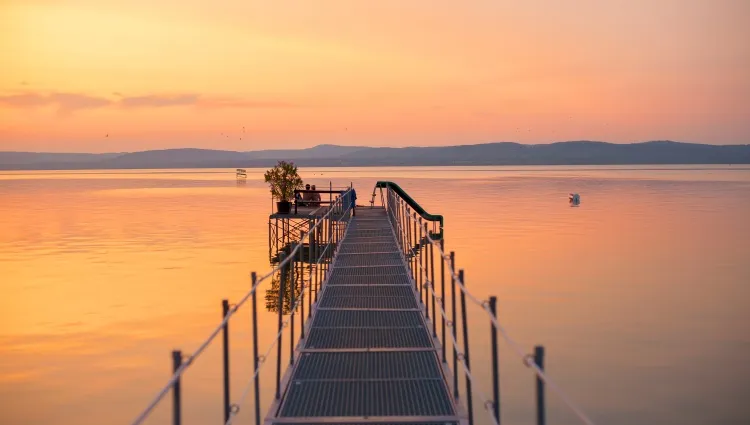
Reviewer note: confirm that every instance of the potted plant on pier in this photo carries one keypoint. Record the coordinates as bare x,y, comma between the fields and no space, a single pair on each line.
284,180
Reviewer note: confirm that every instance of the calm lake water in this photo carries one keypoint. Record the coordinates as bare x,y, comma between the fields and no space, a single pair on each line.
641,295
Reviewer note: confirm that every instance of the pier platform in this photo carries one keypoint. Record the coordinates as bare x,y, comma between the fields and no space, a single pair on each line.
368,357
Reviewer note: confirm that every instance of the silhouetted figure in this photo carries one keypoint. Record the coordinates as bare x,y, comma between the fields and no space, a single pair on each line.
307,197
315,198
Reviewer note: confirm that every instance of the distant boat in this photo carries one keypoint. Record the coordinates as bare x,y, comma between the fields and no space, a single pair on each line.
574,198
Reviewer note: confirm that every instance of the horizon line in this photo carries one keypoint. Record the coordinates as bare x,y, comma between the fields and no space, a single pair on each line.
376,147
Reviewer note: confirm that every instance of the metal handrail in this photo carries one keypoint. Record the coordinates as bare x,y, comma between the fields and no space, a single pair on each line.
412,203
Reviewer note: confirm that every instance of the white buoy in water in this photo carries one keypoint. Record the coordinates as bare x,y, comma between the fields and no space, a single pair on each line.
574,198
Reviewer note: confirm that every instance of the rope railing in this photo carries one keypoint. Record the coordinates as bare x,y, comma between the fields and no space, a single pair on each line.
338,207
425,235
236,406
449,323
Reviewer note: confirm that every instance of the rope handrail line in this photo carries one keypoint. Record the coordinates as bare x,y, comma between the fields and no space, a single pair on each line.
486,401
246,390
190,359
454,341
276,339
515,346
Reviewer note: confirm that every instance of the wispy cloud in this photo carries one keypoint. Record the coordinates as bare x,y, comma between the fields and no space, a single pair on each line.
158,101
67,103
64,102
228,102
26,100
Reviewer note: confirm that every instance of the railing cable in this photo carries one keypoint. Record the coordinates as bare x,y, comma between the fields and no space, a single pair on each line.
236,406
516,347
190,359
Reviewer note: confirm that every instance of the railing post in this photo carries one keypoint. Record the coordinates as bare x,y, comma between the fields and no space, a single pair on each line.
270,245
330,236
282,283
422,268
405,229
465,324
419,250
225,332
400,227
455,324
256,360
316,252
176,402
495,363
310,234
442,297
540,410
431,257
302,284
292,296
400,213
410,251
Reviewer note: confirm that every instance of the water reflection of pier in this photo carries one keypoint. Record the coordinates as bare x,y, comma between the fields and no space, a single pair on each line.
285,231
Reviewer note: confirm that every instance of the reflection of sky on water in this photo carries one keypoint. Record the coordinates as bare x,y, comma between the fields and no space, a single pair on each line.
637,295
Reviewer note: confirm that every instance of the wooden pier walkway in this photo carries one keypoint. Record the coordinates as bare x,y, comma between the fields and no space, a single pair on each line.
368,356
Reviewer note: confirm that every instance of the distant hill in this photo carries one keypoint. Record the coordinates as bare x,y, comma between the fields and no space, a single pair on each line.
317,152
562,153
170,158
35,158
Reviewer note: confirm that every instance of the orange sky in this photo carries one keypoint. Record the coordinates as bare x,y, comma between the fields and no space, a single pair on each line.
193,73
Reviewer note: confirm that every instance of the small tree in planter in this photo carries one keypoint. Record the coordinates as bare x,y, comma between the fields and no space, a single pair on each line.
284,180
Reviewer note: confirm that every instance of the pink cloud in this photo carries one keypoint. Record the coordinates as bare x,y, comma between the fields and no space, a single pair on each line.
64,102
158,101
67,103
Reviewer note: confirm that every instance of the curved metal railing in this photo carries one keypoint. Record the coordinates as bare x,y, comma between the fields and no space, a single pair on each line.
394,188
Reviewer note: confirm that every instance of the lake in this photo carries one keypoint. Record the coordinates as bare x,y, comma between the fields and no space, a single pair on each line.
640,295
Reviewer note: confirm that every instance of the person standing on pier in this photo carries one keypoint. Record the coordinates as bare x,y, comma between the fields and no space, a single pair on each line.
353,197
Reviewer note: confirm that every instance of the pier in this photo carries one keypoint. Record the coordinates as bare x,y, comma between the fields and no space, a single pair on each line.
368,354
372,312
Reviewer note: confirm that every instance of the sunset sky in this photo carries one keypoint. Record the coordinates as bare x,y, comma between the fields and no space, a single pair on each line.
113,76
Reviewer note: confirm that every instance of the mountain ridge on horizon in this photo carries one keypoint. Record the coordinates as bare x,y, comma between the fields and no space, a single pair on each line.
580,152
